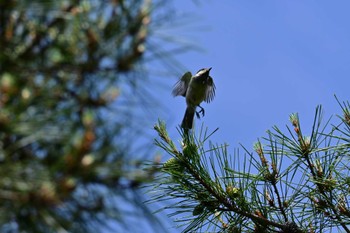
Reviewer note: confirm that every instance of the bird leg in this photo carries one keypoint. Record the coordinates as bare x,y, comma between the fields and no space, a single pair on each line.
200,112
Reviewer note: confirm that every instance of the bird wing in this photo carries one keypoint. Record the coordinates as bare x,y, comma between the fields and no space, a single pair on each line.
210,91
181,86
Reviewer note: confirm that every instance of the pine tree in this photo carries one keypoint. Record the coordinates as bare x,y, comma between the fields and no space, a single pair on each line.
292,182
70,72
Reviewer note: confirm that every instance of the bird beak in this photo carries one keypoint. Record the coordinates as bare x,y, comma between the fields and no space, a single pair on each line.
209,69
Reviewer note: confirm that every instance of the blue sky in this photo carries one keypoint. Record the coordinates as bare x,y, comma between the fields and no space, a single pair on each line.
269,59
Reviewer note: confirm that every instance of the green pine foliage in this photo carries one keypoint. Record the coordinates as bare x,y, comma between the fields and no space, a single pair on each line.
71,78
292,182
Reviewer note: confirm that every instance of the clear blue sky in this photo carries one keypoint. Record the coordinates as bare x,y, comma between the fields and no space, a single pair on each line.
269,59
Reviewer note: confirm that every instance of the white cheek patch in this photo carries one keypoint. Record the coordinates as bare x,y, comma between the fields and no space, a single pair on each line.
200,73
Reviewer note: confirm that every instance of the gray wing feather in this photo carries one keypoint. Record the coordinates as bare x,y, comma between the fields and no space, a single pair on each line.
210,91
181,86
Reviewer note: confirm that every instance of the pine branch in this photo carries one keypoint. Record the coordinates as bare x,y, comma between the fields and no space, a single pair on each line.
295,183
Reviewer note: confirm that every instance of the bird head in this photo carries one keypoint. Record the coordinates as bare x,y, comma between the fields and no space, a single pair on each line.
203,72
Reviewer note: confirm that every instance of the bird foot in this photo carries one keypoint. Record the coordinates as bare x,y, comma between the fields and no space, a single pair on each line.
200,112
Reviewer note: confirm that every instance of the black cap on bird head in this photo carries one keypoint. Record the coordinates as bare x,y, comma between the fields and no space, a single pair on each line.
203,71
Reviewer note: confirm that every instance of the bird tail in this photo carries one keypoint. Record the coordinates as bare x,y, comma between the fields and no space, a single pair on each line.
187,122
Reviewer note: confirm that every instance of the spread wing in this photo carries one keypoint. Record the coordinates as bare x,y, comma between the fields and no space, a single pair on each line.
180,87
210,91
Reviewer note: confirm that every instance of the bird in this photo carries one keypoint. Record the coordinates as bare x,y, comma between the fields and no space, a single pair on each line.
195,89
